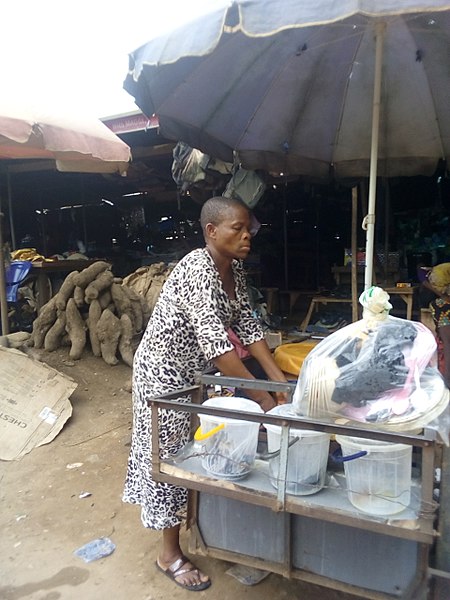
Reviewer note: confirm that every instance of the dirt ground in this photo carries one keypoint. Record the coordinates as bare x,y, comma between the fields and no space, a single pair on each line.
43,519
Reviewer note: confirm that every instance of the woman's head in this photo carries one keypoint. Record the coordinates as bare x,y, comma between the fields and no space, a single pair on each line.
215,209
227,226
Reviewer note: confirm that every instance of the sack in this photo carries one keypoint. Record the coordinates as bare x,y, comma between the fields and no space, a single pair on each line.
188,165
246,186
192,167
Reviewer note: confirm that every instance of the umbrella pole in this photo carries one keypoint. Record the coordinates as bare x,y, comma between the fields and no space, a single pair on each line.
369,219
10,210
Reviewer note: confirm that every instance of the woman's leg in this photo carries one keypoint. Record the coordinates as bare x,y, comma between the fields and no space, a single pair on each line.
171,552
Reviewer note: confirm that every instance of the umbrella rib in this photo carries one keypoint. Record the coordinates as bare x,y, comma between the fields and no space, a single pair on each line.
438,125
343,102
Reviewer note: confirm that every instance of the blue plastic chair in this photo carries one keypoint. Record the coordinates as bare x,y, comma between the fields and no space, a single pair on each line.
14,275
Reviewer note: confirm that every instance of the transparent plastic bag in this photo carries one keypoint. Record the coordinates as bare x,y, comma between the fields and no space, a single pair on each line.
380,371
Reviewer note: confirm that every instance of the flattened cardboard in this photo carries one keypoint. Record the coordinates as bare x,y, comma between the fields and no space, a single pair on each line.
34,403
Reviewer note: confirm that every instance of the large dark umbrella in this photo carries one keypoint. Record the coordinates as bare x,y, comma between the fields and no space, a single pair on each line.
70,142
319,87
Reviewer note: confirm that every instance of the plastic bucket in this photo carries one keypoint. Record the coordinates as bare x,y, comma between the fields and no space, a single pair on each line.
230,453
379,481
307,457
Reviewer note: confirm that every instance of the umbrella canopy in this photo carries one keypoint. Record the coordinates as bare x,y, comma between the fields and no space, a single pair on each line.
77,144
353,88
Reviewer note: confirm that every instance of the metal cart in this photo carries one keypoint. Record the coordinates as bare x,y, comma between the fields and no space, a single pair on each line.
318,538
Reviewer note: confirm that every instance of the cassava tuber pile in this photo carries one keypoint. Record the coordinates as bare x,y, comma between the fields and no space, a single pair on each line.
92,307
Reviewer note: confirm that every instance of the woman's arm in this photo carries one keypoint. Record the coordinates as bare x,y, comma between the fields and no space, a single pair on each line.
429,286
261,352
230,365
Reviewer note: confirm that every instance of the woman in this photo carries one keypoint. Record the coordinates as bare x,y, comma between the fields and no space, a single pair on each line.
204,296
438,281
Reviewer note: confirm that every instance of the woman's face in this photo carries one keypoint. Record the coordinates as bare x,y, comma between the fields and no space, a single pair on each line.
231,237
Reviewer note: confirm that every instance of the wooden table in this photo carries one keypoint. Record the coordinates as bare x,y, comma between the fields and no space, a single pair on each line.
405,293
44,269
342,275
321,300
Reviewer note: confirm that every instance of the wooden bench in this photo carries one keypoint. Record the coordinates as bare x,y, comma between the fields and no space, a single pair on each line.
406,294
321,300
294,295
271,298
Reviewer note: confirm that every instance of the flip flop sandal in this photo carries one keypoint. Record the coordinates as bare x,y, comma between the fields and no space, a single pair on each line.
176,569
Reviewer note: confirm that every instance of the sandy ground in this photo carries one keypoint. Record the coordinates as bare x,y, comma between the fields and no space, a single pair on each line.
43,520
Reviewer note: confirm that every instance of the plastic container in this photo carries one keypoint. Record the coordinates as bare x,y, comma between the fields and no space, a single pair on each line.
231,452
378,482
307,457
290,357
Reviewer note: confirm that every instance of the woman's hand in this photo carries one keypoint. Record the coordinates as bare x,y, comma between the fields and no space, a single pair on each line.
281,397
264,399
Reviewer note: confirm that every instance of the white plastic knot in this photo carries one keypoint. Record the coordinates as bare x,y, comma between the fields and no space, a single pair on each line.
375,302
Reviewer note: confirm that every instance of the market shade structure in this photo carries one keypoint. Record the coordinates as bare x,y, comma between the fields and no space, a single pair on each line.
73,143
318,88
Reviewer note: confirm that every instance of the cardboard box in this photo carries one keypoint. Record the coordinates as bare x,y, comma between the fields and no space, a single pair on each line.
34,403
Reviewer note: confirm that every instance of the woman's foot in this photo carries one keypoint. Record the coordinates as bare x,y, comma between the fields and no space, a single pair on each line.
184,574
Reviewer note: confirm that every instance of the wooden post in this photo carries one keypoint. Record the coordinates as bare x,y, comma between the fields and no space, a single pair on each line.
354,274
3,301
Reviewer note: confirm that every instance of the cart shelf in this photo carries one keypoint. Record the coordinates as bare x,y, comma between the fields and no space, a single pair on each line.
330,504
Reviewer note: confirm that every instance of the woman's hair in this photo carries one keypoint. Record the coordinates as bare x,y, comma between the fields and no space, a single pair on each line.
213,210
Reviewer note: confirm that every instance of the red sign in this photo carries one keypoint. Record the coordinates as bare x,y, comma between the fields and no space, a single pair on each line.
133,122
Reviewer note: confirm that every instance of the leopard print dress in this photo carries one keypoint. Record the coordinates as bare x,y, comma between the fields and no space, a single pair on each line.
188,328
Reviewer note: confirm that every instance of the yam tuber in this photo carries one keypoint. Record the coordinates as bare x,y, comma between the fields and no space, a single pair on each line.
95,312
78,296
105,299
100,283
122,301
76,328
84,278
136,307
66,290
146,311
125,347
54,335
108,331
65,340
43,322
112,308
